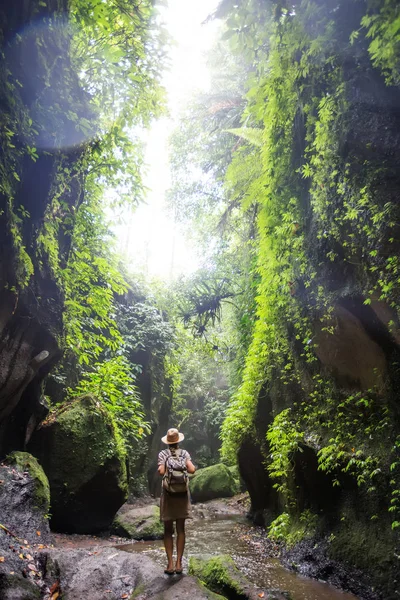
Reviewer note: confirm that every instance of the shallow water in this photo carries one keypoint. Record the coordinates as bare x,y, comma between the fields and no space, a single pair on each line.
227,535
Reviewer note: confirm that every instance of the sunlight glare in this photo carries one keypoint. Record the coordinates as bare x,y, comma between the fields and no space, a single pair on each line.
150,239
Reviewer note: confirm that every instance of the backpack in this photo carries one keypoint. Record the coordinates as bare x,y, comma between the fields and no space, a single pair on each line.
175,479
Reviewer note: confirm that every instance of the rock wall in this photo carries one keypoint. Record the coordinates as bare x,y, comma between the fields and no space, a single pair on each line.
35,204
339,373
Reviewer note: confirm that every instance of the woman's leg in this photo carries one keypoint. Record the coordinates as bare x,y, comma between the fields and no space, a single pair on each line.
169,543
180,543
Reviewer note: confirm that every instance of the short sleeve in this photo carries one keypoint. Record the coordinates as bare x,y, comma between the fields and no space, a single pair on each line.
162,457
187,455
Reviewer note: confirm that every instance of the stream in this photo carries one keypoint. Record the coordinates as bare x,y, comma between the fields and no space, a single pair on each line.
211,534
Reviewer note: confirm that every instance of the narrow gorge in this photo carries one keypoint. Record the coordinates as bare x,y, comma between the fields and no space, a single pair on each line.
277,354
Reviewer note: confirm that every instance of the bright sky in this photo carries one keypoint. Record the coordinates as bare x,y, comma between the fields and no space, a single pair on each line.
149,237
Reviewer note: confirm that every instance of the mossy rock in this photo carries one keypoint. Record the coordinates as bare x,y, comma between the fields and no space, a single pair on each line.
83,458
235,472
220,575
213,482
25,462
142,523
239,481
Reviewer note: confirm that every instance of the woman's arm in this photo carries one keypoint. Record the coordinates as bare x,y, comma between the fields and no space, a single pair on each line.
161,469
190,467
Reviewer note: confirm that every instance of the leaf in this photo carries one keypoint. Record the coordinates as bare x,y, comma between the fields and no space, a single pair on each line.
250,134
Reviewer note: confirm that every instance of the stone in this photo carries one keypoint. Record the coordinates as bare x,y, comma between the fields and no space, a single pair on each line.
84,460
349,353
24,507
109,574
213,482
221,575
239,481
16,587
25,462
139,523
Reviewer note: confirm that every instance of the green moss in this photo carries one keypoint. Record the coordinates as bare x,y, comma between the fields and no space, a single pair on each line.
139,524
213,482
235,473
86,436
139,590
24,461
220,575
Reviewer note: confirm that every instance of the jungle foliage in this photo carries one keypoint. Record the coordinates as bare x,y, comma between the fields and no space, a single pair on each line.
318,210
321,216
283,173
97,67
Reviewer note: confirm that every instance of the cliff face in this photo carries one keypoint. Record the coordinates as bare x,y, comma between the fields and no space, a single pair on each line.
40,188
318,408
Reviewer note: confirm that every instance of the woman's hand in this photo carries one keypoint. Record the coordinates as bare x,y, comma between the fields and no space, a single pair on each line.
161,470
190,467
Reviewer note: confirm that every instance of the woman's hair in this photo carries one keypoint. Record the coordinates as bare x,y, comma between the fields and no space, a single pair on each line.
173,445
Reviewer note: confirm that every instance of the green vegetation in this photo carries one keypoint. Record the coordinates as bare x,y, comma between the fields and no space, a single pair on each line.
316,290
305,93
290,530
286,174
98,66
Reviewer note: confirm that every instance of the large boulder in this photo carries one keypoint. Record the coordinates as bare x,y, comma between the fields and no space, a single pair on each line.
111,574
139,523
24,527
212,482
84,460
221,575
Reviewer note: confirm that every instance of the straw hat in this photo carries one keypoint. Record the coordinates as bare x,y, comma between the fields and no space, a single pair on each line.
173,437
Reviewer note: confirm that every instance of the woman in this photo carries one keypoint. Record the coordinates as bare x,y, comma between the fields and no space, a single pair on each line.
174,506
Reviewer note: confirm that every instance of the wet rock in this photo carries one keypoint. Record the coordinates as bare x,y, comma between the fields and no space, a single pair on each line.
251,458
83,458
311,559
221,575
220,507
213,482
139,523
24,499
241,486
110,574
28,350
26,463
24,504
349,353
